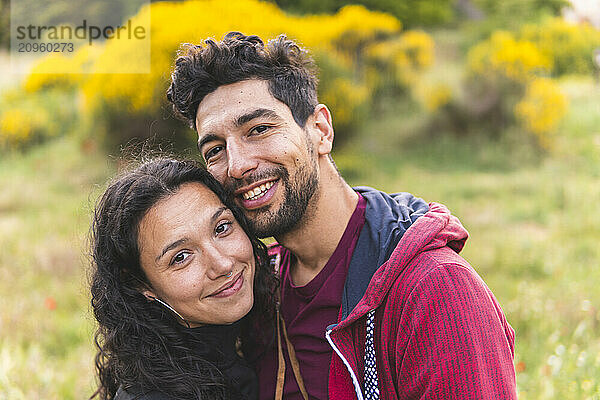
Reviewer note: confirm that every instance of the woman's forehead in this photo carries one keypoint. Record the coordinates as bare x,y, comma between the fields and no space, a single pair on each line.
192,204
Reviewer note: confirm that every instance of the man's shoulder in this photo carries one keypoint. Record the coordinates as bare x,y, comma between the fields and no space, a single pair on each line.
440,279
440,266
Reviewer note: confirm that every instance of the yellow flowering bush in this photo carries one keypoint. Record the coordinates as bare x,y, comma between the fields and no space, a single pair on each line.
508,57
125,104
193,21
507,82
398,62
346,98
569,45
25,118
49,71
542,108
16,127
433,96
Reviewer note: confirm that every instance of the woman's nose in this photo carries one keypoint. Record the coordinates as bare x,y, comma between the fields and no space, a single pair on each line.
219,264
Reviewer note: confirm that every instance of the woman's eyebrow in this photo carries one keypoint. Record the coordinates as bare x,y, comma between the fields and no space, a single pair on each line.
218,213
171,246
178,242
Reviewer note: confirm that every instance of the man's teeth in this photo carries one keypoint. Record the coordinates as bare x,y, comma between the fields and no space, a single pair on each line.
257,192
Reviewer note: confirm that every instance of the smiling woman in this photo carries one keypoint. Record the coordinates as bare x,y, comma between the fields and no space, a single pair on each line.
178,281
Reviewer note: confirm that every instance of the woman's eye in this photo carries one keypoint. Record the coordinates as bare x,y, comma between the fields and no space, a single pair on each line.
180,257
222,227
212,152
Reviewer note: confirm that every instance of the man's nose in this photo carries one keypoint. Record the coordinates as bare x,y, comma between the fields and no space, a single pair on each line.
240,161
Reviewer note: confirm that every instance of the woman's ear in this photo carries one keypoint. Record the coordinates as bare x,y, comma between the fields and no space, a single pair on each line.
148,294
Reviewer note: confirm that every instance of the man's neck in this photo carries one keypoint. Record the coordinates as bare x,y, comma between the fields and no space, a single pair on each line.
317,235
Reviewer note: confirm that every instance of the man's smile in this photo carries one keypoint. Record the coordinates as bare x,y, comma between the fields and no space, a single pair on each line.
258,194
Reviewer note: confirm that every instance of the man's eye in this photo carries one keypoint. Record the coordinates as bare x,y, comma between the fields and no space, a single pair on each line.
212,152
180,257
223,227
259,129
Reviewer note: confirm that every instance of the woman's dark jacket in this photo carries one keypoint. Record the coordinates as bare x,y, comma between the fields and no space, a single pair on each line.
217,344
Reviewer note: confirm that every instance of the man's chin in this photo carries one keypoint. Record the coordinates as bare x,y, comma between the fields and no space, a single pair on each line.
263,229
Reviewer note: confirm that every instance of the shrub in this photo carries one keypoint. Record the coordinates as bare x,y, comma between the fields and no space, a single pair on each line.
541,109
504,56
26,119
412,13
433,96
16,127
397,63
131,105
505,84
570,46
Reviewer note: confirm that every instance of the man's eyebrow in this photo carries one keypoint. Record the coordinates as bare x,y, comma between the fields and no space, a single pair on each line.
205,139
259,112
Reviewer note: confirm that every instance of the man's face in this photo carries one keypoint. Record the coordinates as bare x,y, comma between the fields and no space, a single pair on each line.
253,146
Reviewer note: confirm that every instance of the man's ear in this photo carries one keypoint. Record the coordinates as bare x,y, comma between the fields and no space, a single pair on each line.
324,127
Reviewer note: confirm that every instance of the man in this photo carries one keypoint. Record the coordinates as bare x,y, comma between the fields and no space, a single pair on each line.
375,300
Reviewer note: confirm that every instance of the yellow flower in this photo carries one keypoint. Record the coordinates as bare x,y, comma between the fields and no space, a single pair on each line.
401,59
345,97
502,54
15,127
433,96
193,21
570,45
542,108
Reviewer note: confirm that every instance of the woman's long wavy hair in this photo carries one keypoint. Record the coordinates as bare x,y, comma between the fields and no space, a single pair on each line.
141,345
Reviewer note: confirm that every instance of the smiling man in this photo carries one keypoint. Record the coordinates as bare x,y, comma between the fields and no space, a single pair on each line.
375,300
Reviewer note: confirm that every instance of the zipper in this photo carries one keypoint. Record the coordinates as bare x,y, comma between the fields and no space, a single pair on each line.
357,387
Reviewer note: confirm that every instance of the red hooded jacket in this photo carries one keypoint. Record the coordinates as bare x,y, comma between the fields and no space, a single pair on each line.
439,332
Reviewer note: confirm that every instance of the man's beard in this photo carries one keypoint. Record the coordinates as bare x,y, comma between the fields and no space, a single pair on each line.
298,191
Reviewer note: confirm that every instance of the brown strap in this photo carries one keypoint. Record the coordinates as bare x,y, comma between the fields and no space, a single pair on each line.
281,363
295,364
293,360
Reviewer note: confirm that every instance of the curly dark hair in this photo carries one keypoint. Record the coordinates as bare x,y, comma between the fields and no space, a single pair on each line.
288,69
141,346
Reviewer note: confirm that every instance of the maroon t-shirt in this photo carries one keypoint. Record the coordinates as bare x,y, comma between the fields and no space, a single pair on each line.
307,311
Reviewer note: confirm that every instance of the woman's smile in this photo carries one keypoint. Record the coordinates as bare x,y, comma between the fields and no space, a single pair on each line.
230,288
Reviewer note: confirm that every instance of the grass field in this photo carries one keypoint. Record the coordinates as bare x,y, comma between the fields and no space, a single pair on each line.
532,216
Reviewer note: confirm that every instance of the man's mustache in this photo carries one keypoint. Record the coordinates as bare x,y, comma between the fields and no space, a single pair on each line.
233,184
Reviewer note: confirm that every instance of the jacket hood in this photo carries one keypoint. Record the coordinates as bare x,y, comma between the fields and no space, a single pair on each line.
428,230
387,217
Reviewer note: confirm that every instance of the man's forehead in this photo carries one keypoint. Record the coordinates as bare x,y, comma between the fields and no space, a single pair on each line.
234,96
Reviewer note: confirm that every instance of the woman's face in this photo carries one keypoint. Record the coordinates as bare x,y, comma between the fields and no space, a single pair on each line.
189,244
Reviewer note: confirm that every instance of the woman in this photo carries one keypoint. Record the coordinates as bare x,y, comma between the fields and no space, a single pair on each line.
178,282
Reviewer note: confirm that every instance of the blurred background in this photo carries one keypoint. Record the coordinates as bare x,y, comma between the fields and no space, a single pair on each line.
490,107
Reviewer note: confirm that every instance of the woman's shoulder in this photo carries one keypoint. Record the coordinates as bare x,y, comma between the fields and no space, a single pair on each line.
122,394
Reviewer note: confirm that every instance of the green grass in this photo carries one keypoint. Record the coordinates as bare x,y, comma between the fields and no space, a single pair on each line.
532,216
45,351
